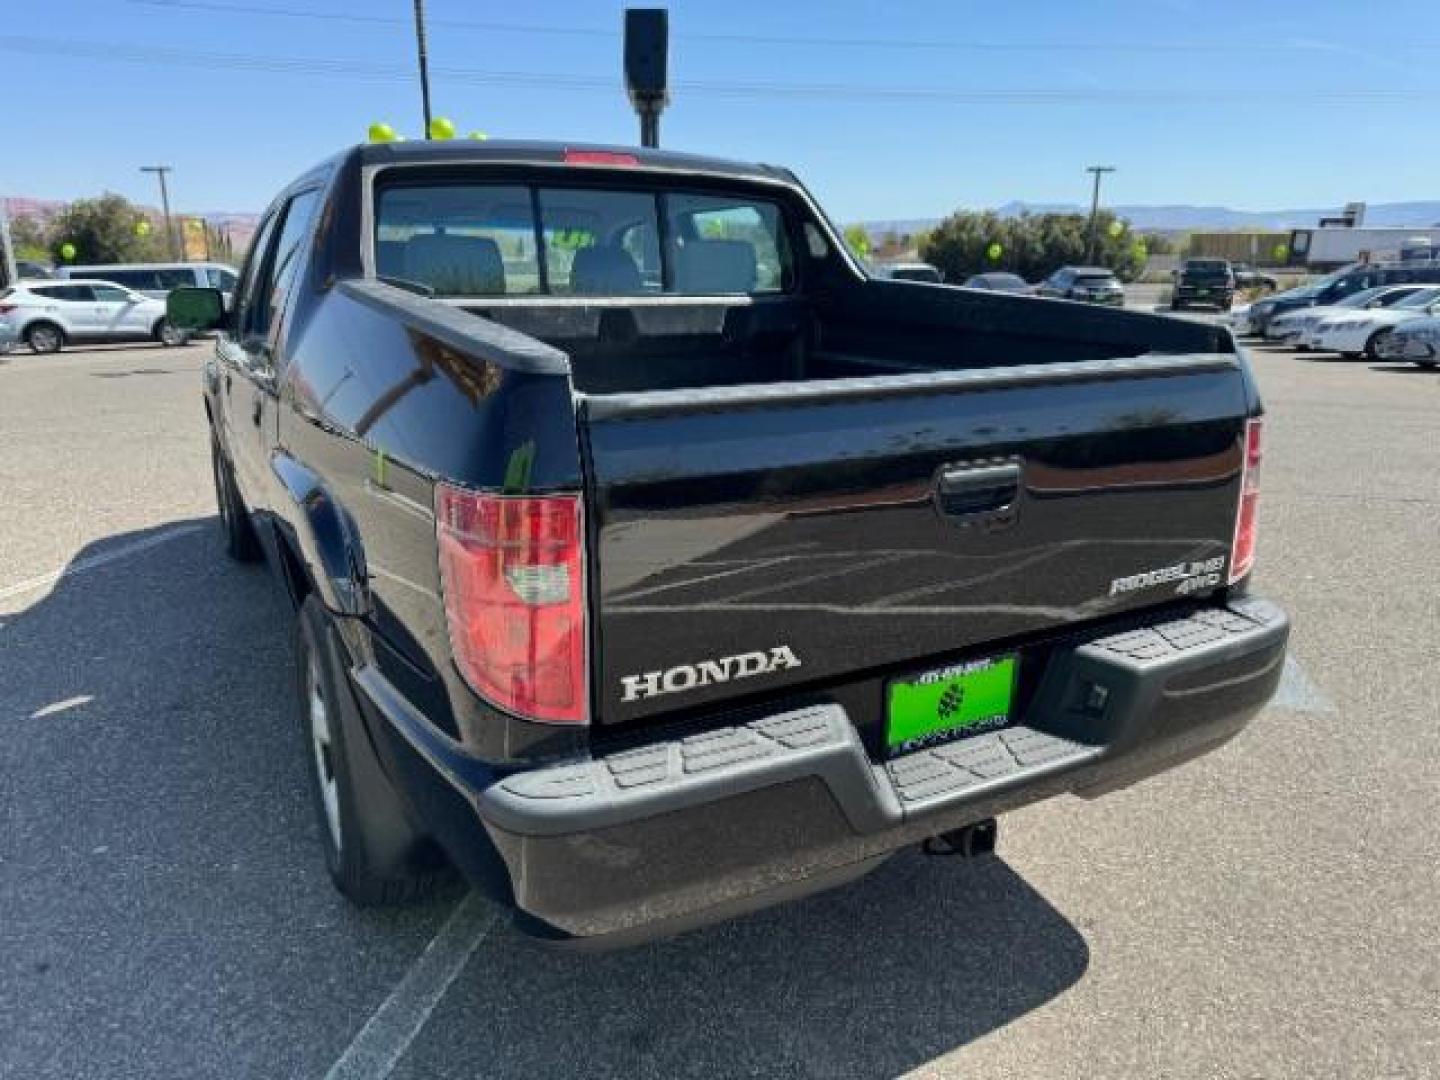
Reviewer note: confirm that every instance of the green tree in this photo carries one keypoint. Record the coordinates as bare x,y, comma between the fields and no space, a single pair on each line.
1031,245
858,241
28,236
103,231
1157,243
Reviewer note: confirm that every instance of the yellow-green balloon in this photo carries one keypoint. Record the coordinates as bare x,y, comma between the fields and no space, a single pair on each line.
1281,253
381,132
195,225
442,127
478,136
67,252
1116,228
994,251
142,228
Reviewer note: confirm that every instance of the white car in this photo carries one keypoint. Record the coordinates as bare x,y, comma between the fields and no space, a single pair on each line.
1417,341
47,315
1361,332
1290,327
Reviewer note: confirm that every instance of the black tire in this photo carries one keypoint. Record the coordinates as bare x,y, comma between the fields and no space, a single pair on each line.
44,337
1428,365
241,543
169,335
1372,347
374,853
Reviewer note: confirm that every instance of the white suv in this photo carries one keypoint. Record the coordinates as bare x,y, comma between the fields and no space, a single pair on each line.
48,314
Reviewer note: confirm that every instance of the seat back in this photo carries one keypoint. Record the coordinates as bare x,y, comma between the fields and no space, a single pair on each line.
715,266
605,271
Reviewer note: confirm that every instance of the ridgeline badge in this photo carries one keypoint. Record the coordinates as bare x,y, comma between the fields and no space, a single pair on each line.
1189,576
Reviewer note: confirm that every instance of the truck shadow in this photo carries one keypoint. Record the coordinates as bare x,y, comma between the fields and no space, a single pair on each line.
155,795
872,980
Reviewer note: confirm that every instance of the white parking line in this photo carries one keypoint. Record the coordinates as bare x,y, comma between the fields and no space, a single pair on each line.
382,1042
92,562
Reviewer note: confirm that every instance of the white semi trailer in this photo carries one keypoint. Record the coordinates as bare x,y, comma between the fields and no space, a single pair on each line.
1329,248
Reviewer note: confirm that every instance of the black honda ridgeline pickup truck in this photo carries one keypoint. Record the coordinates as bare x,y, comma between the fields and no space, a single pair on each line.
652,563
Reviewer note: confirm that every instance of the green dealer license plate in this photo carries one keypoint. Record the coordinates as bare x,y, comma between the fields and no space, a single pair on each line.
961,700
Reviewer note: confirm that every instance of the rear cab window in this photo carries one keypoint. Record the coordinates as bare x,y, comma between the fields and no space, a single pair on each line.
491,240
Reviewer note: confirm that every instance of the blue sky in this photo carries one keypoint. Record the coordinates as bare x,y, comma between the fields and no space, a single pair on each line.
1254,105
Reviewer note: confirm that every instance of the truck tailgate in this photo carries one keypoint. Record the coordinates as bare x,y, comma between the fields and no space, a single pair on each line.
753,539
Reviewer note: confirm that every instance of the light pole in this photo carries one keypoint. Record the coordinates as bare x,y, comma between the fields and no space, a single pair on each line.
1099,171
160,171
424,63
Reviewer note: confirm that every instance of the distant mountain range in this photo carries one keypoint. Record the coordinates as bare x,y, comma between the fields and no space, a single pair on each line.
1183,217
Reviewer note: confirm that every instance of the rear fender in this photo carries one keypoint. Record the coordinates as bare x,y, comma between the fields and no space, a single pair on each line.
324,536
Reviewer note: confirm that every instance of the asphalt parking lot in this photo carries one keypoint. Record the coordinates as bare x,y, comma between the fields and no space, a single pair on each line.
1272,910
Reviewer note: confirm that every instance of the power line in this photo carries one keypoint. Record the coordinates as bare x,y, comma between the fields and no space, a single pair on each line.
351,69
809,40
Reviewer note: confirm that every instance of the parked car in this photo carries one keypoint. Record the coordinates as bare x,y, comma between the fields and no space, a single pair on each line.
1361,332
1203,281
1092,284
913,271
27,270
1332,288
1292,326
49,315
636,577
1416,341
997,281
157,279
1247,277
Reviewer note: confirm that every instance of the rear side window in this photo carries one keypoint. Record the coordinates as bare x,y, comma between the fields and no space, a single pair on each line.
486,240
73,293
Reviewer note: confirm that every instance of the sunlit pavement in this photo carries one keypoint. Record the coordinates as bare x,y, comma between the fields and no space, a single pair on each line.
1268,911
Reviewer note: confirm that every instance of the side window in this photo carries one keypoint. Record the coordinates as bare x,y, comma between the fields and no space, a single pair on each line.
286,260
245,301
109,294
727,245
74,294
171,277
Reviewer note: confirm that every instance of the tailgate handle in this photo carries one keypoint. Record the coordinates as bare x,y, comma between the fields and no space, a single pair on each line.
977,490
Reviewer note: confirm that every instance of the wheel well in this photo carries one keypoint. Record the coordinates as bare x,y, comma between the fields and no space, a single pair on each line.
155,329
33,323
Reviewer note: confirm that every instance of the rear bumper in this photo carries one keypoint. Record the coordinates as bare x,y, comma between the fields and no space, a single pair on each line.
678,832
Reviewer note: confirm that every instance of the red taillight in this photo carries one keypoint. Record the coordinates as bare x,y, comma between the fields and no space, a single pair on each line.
513,573
599,157
5,309
1242,550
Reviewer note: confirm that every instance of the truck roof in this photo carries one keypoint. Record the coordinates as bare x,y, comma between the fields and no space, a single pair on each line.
542,152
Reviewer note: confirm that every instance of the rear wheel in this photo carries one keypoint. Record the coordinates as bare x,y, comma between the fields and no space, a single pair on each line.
241,544
44,337
373,852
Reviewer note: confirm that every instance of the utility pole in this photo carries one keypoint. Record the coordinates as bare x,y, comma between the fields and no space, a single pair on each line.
424,63
1099,171
8,274
160,171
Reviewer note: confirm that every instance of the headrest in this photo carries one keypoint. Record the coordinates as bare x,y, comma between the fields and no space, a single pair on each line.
455,265
605,271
